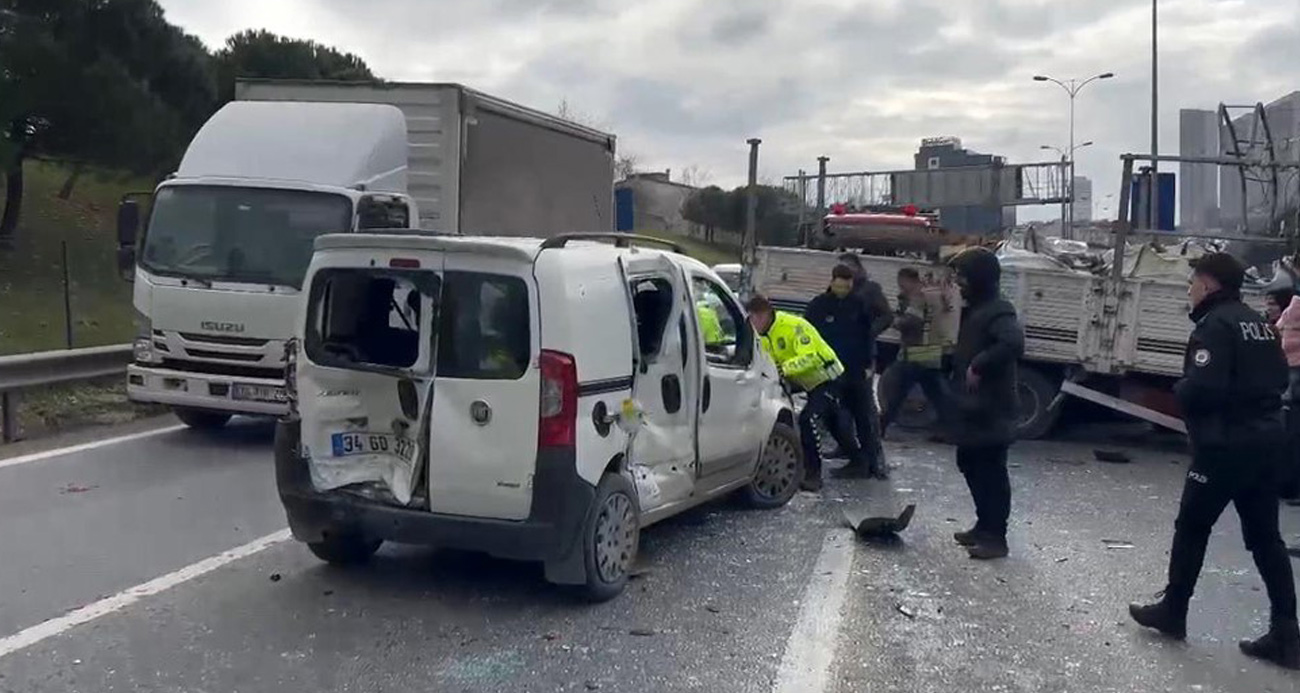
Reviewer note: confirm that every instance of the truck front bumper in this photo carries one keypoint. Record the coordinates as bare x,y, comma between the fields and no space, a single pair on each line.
261,397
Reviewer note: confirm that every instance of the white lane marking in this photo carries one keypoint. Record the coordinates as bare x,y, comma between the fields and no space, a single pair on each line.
55,626
806,665
73,449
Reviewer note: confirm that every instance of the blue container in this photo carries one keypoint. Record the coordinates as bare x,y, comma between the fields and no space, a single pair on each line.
623,210
1168,190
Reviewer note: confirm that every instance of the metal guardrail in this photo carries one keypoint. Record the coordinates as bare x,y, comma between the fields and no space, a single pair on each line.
45,368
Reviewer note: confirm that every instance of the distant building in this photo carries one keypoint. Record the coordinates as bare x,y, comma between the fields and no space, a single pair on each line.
656,202
1198,187
1082,199
947,152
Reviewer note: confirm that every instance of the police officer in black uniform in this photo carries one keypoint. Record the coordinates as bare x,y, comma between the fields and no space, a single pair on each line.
1234,374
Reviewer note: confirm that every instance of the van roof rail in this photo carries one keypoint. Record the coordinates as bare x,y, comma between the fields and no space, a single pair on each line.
621,240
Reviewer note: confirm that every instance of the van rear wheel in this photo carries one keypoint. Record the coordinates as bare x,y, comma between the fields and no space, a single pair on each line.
344,549
779,472
202,420
610,538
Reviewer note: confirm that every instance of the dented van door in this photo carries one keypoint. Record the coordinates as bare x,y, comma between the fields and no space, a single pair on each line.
665,388
365,379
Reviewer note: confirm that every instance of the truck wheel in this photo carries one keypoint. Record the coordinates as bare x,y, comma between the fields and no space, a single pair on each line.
1035,392
201,420
779,473
610,537
344,549
916,412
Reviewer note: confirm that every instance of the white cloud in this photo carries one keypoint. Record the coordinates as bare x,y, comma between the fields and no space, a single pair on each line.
685,82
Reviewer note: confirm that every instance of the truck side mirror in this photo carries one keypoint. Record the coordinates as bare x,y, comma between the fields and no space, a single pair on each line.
126,263
128,223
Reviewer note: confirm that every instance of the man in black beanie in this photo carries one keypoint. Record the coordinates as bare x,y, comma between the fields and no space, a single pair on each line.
1234,374
983,412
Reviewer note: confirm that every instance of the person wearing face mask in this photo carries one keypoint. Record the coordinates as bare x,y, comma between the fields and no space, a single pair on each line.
1234,374
982,415
847,323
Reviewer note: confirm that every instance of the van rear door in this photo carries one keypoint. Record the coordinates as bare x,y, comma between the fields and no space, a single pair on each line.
366,379
483,429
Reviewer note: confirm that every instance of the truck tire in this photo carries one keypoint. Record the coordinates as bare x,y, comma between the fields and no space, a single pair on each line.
610,537
780,471
1036,392
202,420
916,411
344,549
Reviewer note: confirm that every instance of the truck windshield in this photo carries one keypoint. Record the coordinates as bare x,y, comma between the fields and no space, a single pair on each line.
254,235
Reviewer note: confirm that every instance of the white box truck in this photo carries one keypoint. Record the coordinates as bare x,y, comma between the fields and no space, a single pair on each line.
219,258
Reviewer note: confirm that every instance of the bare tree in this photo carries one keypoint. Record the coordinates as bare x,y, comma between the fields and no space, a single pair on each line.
625,165
695,176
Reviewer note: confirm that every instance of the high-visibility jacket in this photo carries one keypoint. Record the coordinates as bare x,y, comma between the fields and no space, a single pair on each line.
710,326
801,354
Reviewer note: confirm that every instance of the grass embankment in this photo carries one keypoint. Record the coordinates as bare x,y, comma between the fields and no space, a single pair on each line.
31,293
31,273
708,253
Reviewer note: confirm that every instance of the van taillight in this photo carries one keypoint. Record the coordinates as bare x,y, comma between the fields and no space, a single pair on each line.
558,417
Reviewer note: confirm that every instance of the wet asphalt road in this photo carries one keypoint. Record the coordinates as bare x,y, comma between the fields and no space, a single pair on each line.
720,593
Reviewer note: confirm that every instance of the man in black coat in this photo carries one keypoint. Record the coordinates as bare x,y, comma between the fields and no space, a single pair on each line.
846,322
873,317
1234,374
983,414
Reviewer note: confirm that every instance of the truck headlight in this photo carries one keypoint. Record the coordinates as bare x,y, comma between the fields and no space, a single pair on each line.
144,351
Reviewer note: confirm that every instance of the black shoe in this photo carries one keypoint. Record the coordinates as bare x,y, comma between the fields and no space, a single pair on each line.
1165,616
880,470
988,548
1280,645
968,538
852,471
812,485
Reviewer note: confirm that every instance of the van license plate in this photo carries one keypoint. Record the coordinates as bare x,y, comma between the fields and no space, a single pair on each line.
257,393
349,444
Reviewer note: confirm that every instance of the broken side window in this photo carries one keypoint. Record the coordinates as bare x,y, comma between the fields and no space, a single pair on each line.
652,299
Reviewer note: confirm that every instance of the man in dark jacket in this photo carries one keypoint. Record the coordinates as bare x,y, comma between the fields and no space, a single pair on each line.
845,321
983,413
873,302
1234,374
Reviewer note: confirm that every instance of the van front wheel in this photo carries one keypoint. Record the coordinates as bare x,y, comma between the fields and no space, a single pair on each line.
611,536
779,473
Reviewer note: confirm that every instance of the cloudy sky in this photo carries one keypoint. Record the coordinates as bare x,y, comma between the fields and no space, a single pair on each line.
686,82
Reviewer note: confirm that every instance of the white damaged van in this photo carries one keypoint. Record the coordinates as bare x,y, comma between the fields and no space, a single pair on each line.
539,400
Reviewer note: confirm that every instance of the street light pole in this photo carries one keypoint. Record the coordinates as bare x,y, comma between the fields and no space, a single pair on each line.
1072,87
1154,197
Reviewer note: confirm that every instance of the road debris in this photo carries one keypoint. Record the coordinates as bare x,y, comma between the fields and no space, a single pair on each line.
1112,456
904,610
1118,544
642,632
275,577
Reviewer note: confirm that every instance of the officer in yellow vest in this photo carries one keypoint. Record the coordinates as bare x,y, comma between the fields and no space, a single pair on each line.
710,326
808,362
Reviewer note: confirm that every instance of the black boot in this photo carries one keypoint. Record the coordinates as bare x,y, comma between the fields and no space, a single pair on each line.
1169,616
988,547
1280,645
879,470
968,538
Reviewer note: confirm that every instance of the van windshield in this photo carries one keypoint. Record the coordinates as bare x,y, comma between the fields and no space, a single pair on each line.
254,235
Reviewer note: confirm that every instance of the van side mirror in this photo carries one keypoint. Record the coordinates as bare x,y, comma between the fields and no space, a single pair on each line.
128,223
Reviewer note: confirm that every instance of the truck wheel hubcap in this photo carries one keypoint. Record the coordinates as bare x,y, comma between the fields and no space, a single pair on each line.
776,471
615,537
